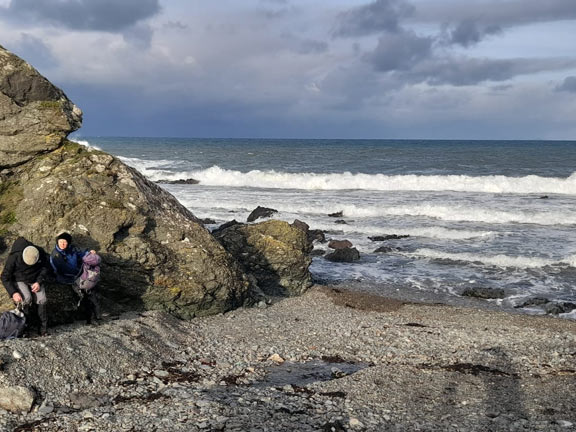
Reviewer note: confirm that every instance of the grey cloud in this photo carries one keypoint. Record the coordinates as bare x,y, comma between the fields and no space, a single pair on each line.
568,85
139,36
175,25
497,12
470,32
471,71
399,51
310,46
34,50
381,15
102,15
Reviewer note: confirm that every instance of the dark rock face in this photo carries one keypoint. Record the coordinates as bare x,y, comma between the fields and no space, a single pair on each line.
555,308
484,293
388,237
534,301
35,116
550,307
316,235
274,252
260,212
156,253
386,249
344,255
336,214
184,181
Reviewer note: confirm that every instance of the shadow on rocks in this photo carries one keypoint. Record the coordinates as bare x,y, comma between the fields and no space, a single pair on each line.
121,288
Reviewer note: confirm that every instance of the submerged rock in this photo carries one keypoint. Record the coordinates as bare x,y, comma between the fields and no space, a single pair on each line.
260,212
344,255
484,293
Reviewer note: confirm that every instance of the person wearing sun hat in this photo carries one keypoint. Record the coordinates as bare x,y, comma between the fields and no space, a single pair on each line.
24,274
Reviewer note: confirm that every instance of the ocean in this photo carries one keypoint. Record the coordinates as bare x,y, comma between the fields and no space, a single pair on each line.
492,214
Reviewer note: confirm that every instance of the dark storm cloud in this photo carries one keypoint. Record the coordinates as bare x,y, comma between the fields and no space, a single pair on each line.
468,23
399,51
381,15
469,32
497,12
101,15
471,71
568,85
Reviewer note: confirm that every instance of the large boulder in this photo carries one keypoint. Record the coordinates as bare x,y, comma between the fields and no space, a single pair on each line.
156,253
35,116
274,252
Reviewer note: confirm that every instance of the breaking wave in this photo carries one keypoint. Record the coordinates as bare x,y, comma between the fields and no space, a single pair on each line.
493,260
216,176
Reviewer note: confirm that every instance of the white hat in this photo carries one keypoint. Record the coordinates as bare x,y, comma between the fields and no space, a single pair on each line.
30,255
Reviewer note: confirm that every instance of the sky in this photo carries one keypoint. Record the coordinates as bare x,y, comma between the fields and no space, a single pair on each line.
387,69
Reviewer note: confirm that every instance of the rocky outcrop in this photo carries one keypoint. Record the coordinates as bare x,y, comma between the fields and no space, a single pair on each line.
274,252
35,116
156,253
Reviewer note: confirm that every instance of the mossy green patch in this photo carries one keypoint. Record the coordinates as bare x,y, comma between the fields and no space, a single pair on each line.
50,104
10,196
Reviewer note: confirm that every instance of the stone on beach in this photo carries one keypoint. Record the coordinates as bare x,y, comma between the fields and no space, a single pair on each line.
16,399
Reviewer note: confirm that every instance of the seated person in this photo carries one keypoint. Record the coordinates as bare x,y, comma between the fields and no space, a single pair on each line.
23,276
67,261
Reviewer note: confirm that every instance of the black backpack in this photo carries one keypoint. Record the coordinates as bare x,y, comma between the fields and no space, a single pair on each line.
12,324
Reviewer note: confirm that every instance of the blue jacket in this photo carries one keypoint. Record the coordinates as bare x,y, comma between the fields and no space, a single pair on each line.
67,263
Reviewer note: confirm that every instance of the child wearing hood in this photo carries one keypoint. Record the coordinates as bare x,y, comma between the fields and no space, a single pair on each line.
67,261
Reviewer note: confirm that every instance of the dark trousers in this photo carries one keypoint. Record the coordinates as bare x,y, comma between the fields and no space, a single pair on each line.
90,305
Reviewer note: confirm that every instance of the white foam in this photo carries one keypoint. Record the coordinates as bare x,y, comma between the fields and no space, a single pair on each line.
453,213
216,176
87,145
494,260
477,214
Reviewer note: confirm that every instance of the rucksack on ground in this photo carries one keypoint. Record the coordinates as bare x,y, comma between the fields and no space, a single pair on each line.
12,324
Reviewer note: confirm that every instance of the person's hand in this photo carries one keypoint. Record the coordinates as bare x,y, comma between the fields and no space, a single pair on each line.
17,297
92,251
35,287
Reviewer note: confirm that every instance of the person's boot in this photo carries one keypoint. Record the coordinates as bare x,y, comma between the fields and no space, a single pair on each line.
43,317
96,307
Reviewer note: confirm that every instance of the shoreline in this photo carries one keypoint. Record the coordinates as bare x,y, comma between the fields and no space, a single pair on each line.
425,368
432,298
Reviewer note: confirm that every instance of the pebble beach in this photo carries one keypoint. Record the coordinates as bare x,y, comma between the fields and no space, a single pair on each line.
330,360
